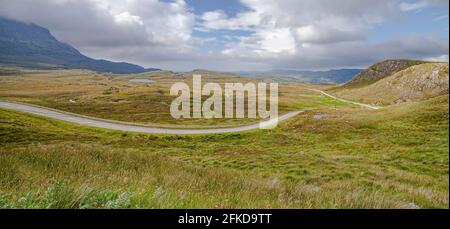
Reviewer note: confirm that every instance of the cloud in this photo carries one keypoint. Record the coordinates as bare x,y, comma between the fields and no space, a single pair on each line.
315,35
421,4
126,18
318,33
215,20
342,15
264,34
405,6
288,25
441,17
441,58
347,54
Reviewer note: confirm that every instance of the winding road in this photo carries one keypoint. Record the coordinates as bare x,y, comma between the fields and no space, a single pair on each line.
86,121
111,125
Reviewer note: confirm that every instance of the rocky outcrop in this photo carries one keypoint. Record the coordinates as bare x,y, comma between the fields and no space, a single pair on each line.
380,71
420,82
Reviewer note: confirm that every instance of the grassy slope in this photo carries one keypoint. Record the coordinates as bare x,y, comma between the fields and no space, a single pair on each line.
353,158
415,83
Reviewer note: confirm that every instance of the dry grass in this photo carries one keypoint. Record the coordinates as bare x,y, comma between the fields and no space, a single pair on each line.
115,98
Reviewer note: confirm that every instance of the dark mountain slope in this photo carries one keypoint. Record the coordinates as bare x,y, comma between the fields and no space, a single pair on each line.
30,45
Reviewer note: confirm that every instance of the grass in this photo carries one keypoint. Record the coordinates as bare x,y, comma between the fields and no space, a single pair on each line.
352,158
115,98
327,101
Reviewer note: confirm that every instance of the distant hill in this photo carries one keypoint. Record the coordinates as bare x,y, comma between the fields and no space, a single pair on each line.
333,76
29,45
416,83
381,70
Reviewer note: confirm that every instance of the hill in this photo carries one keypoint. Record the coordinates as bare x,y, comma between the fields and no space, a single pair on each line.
416,83
29,45
379,71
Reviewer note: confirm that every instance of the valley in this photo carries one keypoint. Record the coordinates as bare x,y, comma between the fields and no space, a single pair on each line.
114,97
334,154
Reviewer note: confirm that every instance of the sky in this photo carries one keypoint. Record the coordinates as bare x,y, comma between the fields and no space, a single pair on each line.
250,35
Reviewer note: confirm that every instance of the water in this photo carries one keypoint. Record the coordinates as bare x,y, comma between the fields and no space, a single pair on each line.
141,81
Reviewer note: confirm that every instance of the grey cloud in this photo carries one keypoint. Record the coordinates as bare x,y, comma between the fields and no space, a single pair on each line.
356,54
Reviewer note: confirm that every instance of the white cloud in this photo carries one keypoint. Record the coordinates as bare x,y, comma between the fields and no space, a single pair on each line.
406,6
287,26
318,33
442,17
441,58
277,40
126,18
264,44
420,4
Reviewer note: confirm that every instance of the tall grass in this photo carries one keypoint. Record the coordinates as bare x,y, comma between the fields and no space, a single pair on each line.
353,158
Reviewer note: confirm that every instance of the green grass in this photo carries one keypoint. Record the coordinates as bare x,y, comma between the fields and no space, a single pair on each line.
327,101
353,158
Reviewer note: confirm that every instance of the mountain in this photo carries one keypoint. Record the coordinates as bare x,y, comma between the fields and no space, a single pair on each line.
381,70
416,83
333,76
30,45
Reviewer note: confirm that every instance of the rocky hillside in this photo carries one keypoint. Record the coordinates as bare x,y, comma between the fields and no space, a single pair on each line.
379,71
415,83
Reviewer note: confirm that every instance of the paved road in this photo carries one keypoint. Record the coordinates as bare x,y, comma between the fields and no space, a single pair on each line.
85,121
347,101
